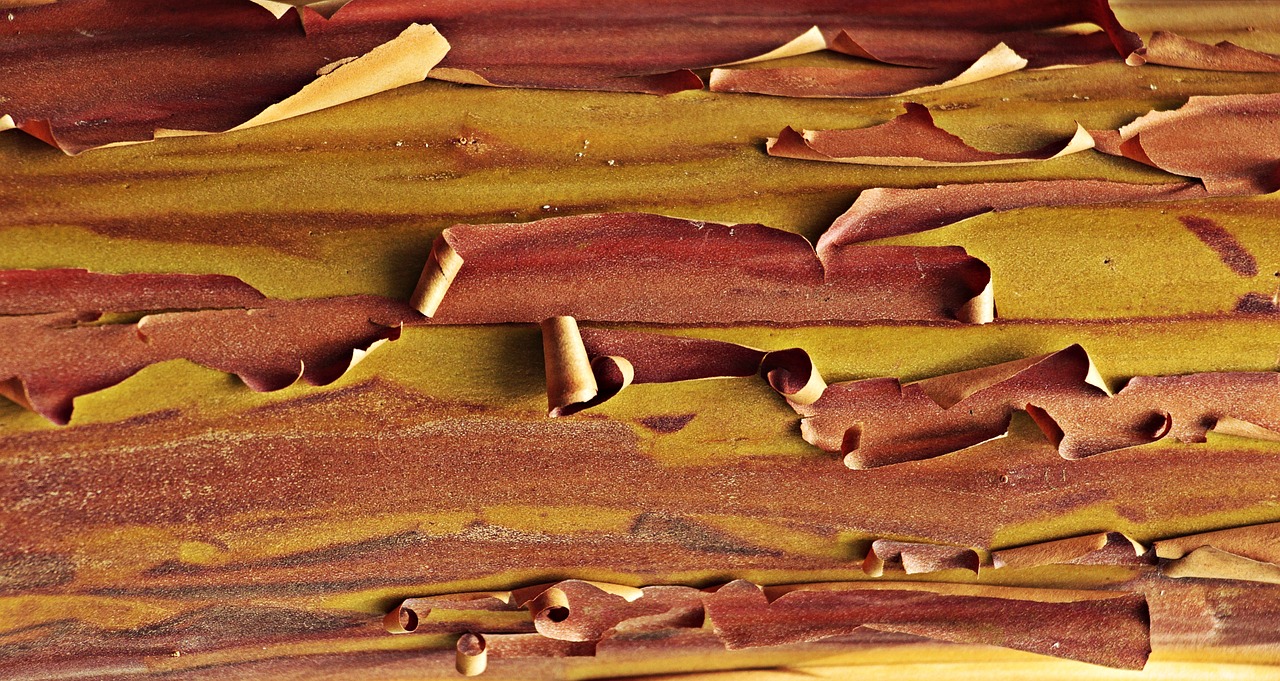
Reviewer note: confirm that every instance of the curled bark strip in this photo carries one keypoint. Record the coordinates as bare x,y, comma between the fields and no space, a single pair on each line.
279,8
564,619
198,67
1229,142
1105,628
574,44
915,558
463,612
881,421
1111,631
945,55
49,360
1170,49
911,139
575,610
1101,548
851,83
876,422
1208,562
25,292
585,367
473,654
54,358
1249,553
649,268
889,212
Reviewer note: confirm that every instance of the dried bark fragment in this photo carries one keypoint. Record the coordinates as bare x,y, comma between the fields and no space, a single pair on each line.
573,44
1249,553
856,83
1171,49
105,76
1100,548
586,367
881,421
74,290
911,139
56,357
887,212
915,558
1230,142
1104,629
650,268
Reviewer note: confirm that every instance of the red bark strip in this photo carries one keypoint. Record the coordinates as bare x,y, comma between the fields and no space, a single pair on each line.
911,139
94,72
1171,49
1101,548
651,47
1231,143
886,212
84,74
915,558
1111,631
648,268
1232,253
881,421
54,358
73,290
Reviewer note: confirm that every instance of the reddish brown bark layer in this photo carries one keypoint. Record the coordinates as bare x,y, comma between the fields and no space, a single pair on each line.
1112,631
649,268
1230,143
72,290
881,421
911,139
886,212
85,74
1102,548
1171,49
54,358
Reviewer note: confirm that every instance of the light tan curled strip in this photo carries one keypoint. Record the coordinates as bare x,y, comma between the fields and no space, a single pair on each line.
405,59
1207,562
980,309
1230,425
808,42
1068,550
570,380
442,266
997,61
472,655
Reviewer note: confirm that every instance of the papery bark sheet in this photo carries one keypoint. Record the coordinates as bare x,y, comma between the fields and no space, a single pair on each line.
1249,553
653,47
649,268
131,70
74,290
1230,143
1100,548
911,139
1105,629
53,358
828,82
915,558
887,212
1111,629
881,421
1171,49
